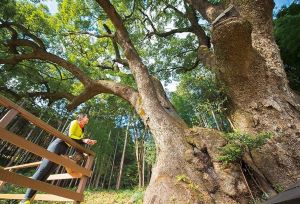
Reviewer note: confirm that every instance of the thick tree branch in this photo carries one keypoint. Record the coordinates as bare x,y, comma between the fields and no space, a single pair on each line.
21,42
105,86
17,58
168,33
205,55
171,32
208,10
90,34
185,69
139,70
149,20
175,9
132,10
44,55
117,50
25,31
92,88
52,96
106,67
122,61
196,28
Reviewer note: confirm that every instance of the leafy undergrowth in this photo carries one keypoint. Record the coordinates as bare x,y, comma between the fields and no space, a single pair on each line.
134,196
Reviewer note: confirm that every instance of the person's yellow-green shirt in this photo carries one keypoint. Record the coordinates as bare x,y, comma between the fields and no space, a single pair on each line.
75,131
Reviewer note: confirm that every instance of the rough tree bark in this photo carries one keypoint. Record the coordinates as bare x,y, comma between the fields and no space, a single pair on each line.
250,66
246,59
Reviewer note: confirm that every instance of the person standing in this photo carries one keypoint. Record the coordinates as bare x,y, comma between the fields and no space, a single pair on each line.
76,132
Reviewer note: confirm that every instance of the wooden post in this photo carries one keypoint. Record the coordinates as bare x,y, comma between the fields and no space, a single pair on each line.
84,179
9,116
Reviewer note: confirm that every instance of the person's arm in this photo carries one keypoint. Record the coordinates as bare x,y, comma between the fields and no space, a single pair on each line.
89,141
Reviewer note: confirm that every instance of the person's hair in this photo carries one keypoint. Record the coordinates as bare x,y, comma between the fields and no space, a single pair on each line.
80,116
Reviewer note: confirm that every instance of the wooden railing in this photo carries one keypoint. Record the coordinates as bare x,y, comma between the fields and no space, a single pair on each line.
55,193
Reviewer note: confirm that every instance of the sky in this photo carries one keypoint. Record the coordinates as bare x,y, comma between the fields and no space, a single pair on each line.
280,3
52,5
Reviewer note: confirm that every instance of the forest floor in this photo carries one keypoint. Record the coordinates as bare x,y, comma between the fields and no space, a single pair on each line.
133,196
99,196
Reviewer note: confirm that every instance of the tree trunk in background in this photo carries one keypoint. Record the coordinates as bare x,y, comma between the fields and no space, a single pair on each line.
215,119
204,120
90,181
102,166
143,162
105,175
123,156
138,160
139,152
113,162
97,178
251,68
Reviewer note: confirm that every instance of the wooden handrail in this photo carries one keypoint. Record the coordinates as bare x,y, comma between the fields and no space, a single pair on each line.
7,176
38,122
36,149
23,181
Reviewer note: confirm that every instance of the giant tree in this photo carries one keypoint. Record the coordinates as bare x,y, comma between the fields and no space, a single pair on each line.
244,57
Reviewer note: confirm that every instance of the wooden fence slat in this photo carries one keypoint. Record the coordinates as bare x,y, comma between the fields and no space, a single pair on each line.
31,147
44,197
22,166
38,122
8,117
64,176
23,181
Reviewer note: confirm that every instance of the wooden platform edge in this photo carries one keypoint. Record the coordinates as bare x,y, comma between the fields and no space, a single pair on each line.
43,197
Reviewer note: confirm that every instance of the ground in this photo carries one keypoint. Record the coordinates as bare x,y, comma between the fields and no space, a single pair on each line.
114,197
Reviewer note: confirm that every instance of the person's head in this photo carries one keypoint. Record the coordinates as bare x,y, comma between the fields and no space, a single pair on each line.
82,118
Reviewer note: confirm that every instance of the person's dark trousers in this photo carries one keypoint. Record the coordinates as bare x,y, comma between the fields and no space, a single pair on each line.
47,167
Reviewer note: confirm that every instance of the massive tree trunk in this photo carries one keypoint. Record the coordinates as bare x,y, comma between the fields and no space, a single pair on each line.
187,169
250,66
